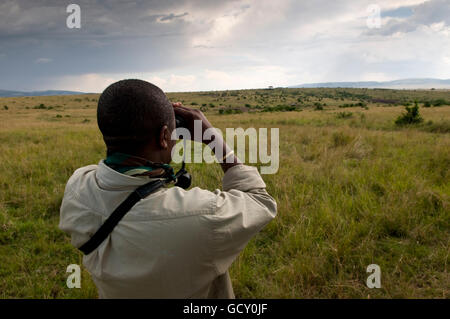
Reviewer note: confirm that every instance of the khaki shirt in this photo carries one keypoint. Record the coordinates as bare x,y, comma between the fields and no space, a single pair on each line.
175,243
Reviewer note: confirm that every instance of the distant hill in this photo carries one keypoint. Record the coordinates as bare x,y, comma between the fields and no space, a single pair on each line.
7,93
397,84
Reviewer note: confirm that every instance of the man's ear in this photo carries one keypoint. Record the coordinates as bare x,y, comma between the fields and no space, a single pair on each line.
164,137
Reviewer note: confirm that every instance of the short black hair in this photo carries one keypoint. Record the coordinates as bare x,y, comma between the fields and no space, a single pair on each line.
132,112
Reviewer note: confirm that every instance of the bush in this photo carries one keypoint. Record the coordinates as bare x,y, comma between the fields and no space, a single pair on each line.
340,139
279,108
230,111
344,115
360,104
40,107
427,104
440,102
440,127
5,107
194,103
411,116
318,107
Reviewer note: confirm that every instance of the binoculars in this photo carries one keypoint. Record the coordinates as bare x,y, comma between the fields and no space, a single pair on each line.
179,121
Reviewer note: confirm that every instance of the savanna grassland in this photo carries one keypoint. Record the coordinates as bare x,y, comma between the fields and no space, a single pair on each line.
353,188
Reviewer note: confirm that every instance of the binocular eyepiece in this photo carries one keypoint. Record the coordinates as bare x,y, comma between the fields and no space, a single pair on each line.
184,179
179,121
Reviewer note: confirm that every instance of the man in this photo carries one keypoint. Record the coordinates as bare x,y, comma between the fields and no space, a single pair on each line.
174,243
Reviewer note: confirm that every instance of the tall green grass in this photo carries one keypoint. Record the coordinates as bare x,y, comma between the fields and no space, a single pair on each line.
350,192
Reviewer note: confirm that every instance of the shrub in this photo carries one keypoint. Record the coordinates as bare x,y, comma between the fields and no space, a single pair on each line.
5,107
440,102
194,103
279,108
344,115
40,107
318,107
427,104
411,116
340,139
230,111
440,127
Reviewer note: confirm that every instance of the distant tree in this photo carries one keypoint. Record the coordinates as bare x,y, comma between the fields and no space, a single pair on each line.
411,116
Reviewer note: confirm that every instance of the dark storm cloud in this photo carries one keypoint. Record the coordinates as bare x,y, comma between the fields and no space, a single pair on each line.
177,40
115,36
172,16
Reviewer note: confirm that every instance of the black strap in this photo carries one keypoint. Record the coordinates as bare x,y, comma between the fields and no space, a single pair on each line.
103,232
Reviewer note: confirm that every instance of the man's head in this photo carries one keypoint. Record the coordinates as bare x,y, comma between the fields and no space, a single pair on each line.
136,117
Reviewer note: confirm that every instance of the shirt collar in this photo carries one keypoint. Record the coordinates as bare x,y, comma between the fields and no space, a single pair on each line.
110,179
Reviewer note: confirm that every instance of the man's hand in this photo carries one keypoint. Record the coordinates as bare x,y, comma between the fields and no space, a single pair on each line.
190,115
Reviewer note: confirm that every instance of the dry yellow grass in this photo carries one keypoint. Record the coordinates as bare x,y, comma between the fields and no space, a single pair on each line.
350,192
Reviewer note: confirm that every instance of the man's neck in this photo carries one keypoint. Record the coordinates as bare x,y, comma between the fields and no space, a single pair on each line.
149,155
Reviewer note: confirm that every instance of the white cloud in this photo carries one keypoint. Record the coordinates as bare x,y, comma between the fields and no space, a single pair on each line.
84,83
207,79
376,76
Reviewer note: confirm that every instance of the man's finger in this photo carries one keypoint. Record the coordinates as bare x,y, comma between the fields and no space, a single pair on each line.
181,110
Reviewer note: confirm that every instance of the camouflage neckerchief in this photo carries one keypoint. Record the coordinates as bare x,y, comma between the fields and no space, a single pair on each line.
137,166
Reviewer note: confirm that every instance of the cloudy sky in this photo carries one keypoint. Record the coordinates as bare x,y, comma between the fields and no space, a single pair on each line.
191,45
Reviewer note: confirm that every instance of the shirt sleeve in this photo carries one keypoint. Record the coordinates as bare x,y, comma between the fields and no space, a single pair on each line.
241,210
